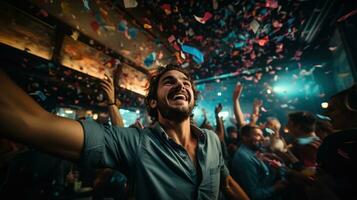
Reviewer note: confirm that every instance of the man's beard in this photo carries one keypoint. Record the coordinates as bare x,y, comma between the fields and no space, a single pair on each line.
174,114
256,146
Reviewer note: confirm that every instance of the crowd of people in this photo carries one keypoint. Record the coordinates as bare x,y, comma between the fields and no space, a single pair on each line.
173,157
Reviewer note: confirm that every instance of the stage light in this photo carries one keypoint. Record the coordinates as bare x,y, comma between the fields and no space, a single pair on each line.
269,91
137,111
324,105
95,116
68,111
280,89
219,94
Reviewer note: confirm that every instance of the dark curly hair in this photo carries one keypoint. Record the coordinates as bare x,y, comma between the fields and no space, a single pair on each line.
154,83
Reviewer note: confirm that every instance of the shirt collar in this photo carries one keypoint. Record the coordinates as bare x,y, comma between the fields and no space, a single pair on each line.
200,134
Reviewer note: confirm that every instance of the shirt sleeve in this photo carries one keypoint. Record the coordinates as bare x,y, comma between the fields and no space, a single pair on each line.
223,168
109,146
247,174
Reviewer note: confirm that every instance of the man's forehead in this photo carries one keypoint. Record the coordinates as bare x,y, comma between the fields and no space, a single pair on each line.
174,73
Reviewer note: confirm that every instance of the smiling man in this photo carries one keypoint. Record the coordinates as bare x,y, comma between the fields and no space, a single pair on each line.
170,160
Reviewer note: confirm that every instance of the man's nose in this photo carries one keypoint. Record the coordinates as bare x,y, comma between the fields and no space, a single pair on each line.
180,84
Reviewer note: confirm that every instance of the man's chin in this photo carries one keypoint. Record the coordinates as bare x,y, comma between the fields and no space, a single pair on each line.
178,114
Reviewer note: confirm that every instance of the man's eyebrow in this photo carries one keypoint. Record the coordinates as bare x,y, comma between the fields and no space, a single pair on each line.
172,77
167,78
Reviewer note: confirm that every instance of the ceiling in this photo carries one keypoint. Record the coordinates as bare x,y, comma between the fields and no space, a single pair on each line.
210,38
252,41
232,36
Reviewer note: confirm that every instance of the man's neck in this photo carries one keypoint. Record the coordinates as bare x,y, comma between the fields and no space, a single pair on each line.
180,132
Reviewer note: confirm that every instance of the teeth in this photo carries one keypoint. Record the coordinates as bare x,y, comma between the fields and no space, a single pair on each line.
179,96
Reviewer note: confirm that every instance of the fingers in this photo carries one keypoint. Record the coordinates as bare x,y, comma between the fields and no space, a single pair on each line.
107,89
107,83
107,77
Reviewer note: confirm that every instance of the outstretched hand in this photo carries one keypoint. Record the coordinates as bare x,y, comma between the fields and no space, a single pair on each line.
257,103
237,91
218,108
107,85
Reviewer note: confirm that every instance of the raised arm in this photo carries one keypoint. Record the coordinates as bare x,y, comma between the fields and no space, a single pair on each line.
114,114
219,122
236,105
24,120
255,113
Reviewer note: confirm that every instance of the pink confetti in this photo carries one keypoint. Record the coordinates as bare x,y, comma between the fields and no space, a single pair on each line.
262,42
94,25
347,15
171,38
271,4
167,8
279,48
277,24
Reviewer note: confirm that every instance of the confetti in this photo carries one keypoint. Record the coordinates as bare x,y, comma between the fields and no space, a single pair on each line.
86,4
197,55
166,8
130,3
150,59
205,18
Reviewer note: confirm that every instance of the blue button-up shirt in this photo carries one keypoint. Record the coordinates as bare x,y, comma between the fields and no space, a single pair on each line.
156,166
255,177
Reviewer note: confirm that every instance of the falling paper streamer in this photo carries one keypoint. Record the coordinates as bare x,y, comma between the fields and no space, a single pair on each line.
239,45
184,65
183,56
39,94
197,55
166,8
75,35
133,32
147,26
347,15
122,26
262,42
171,38
94,25
214,4
332,48
130,3
86,4
150,59
65,7
254,25
305,72
204,19
323,117
271,4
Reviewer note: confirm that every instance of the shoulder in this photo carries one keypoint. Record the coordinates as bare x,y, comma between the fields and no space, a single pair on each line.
210,134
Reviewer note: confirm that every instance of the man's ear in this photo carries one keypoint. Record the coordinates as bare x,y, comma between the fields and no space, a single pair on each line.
153,103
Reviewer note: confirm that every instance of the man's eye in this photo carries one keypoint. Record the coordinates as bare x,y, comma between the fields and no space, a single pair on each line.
187,83
169,82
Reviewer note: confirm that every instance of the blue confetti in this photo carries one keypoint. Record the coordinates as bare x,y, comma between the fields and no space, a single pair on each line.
239,45
39,94
197,55
122,26
291,20
222,23
278,38
150,59
133,32
99,19
263,11
242,37
231,36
